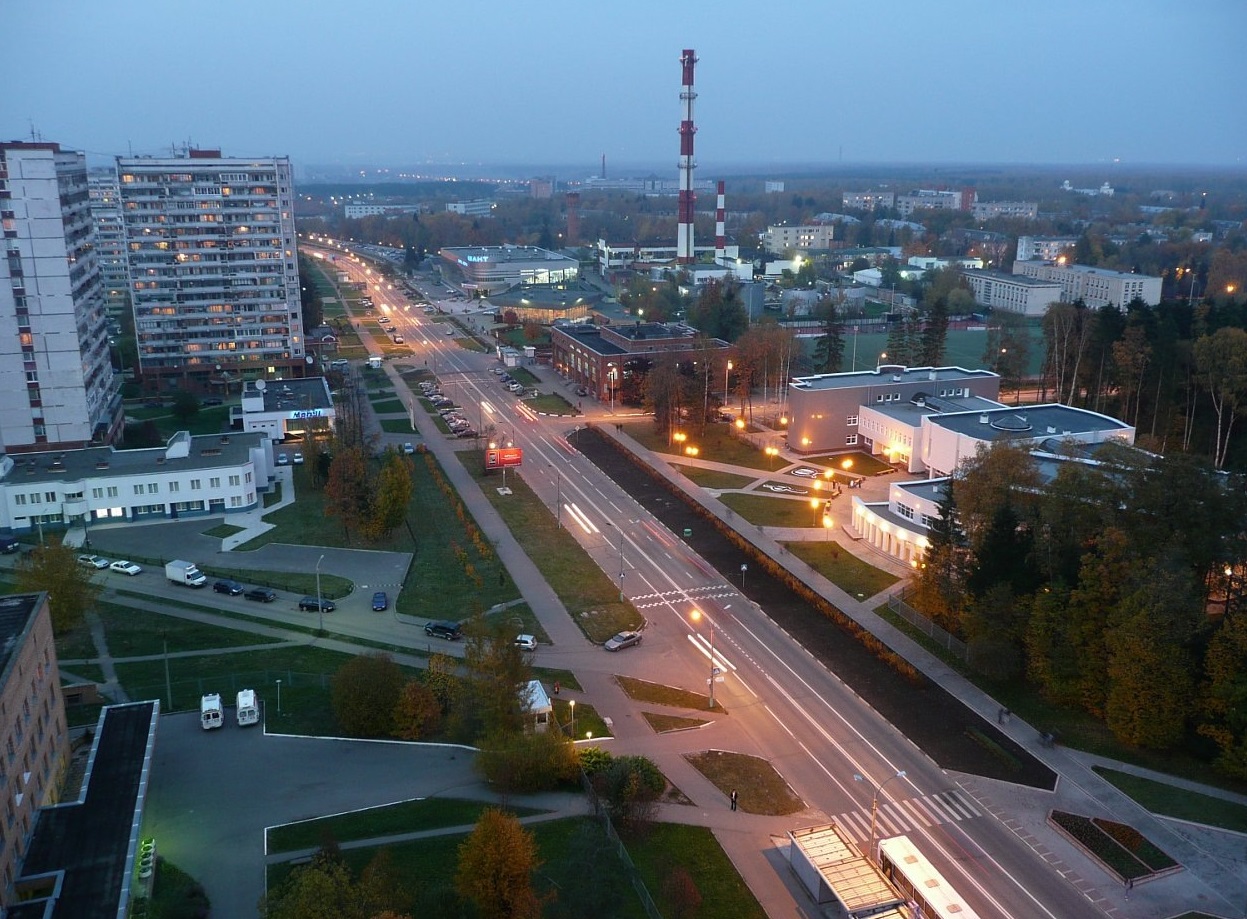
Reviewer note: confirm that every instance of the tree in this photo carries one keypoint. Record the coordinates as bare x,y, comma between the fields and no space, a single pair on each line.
1067,330
365,693
631,787
417,713
667,395
185,405
1007,351
1131,354
1224,700
391,495
71,591
496,864
934,336
347,489
325,889
829,348
1221,359
527,762
496,671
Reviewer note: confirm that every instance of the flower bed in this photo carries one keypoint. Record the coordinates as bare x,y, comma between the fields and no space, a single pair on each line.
1136,843
1096,842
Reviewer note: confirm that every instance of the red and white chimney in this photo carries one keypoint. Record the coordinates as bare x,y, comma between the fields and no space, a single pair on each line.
684,225
720,231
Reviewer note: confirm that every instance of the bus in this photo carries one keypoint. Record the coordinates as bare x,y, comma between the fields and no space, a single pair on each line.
918,881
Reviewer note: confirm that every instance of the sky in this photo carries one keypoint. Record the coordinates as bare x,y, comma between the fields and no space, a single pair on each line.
506,82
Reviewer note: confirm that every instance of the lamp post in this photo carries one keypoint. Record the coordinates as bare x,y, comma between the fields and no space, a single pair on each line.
279,697
697,616
743,569
621,563
874,807
320,608
726,370
573,707
772,452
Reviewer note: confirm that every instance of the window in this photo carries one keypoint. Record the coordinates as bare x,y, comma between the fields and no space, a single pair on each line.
50,497
851,421
153,487
194,484
174,486
905,511
248,477
214,482
138,489
851,440
112,491
97,492
19,499
235,480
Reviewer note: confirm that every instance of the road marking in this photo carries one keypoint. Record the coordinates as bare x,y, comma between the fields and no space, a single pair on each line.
895,818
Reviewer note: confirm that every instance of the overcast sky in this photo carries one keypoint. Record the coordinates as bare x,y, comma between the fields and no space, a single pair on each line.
404,82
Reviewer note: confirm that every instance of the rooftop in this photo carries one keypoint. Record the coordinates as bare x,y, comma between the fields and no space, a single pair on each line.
91,843
182,452
929,489
1020,280
886,374
289,395
1029,422
16,616
499,254
1086,269
922,404
639,331
590,336
548,296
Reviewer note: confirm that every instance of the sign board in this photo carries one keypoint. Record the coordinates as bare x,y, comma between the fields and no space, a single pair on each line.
504,457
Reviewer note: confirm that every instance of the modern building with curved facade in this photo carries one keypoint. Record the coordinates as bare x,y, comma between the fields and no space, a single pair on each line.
492,269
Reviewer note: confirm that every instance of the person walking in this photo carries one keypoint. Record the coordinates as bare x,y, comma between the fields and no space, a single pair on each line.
733,799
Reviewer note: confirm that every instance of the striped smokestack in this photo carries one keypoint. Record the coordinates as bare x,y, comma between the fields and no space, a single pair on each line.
684,225
720,233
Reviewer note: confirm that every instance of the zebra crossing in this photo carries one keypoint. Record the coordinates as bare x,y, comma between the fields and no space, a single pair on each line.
895,818
663,598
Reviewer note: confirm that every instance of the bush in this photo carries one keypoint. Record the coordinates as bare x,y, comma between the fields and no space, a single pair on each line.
418,713
366,690
630,787
523,763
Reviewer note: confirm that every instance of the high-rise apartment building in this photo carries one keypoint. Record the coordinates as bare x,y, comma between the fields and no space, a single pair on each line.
110,240
213,270
56,379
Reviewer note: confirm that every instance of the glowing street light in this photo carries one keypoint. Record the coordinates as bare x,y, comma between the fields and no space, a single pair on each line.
874,807
697,615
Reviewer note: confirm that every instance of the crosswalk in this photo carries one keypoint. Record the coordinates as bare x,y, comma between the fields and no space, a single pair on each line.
663,598
896,818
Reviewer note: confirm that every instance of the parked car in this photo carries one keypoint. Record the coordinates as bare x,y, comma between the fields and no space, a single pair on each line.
9,545
442,628
526,642
380,602
261,595
298,458
283,459
623,640
125,567
312,604
93,561
233,588
398,340
409,449
581,391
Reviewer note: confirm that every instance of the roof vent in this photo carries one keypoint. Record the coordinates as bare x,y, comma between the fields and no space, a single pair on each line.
224,439
102,464
983,419
1051,429
896,378
160,461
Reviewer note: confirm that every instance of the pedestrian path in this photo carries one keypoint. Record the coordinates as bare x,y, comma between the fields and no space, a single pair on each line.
897,818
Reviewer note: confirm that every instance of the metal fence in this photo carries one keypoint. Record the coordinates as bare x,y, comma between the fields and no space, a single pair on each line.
928,628
647,901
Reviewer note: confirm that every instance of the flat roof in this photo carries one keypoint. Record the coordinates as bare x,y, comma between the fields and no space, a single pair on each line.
91,842
887,374
1021,280
1085,269
640,331
930,489
1028,421
207,451
288,395
912,412
548,296
500,254
590,336
16,615
857,883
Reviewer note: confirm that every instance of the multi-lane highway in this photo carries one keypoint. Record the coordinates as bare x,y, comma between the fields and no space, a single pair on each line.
815,731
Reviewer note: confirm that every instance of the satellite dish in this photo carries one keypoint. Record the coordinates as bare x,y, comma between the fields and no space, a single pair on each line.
310,359
260,384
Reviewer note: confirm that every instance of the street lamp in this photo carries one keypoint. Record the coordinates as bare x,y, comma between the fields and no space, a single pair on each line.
697,616
743,569
814,505
726,370
874,807
320,607
279,697
772,452
573,705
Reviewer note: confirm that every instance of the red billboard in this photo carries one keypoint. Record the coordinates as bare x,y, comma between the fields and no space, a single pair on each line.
504,457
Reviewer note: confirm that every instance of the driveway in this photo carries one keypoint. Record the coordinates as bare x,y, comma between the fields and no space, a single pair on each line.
213,793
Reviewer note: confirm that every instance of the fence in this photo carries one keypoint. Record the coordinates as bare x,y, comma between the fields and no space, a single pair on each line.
928,628
187,693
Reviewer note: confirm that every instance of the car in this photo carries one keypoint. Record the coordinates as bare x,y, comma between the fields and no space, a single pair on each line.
233,588
623,640
315,604
384,320
125,567
526,642
398,340
495,370
297,458
581,391
261,595
442,628
9,545
93,561
466,432
380,602
409,449
283,459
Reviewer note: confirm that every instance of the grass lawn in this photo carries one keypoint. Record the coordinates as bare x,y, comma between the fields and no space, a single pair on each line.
717,443
388,820
588,722
212,420
669,846
774,512
662,723
403,425
524,376
843,568
222,530
470,344
590,596
137,632
90,672
1171,801
762,790
176,895
658,694
550,404
388,406
713,478
862,463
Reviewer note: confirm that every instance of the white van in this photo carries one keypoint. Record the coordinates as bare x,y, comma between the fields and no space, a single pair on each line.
210,711
247,711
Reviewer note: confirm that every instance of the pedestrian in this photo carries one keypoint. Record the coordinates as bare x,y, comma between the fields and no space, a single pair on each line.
556,687
733,799
1000,715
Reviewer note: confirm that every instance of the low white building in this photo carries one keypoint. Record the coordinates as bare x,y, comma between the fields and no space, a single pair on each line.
285,409
1013,293
1095,287
932,262
189,476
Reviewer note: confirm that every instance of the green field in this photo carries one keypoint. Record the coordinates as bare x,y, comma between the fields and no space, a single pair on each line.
774,512
848,572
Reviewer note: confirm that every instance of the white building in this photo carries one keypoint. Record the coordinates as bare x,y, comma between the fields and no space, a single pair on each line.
482,207
1096,287
281,409
613,257
110,240
932,262
1043,248
56,379
1023,210
936,199
214,276
773,186
1012,292
782,239
189,476
492,269
354,211
868,200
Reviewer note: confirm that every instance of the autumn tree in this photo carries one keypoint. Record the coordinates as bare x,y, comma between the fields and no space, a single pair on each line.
668,394
347,490
1221,359
630,786
497,669
1067,329
365,693
390,496
1224,696
496,865
325,889
526,762
71,590
1007,350
441,681
417,714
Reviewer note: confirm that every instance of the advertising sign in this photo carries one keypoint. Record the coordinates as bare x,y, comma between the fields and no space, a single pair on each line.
504,458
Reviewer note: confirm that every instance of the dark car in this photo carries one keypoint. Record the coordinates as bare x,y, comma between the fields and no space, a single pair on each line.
233,588
9,544
442,628
380,602
313,605
261,595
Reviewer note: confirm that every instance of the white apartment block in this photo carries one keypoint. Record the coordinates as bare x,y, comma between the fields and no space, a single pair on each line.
868,200
1012,292
783,239
56,379
940,200
214,277
1043,248
355,211
1095,287
110,240
479,208
1023,210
